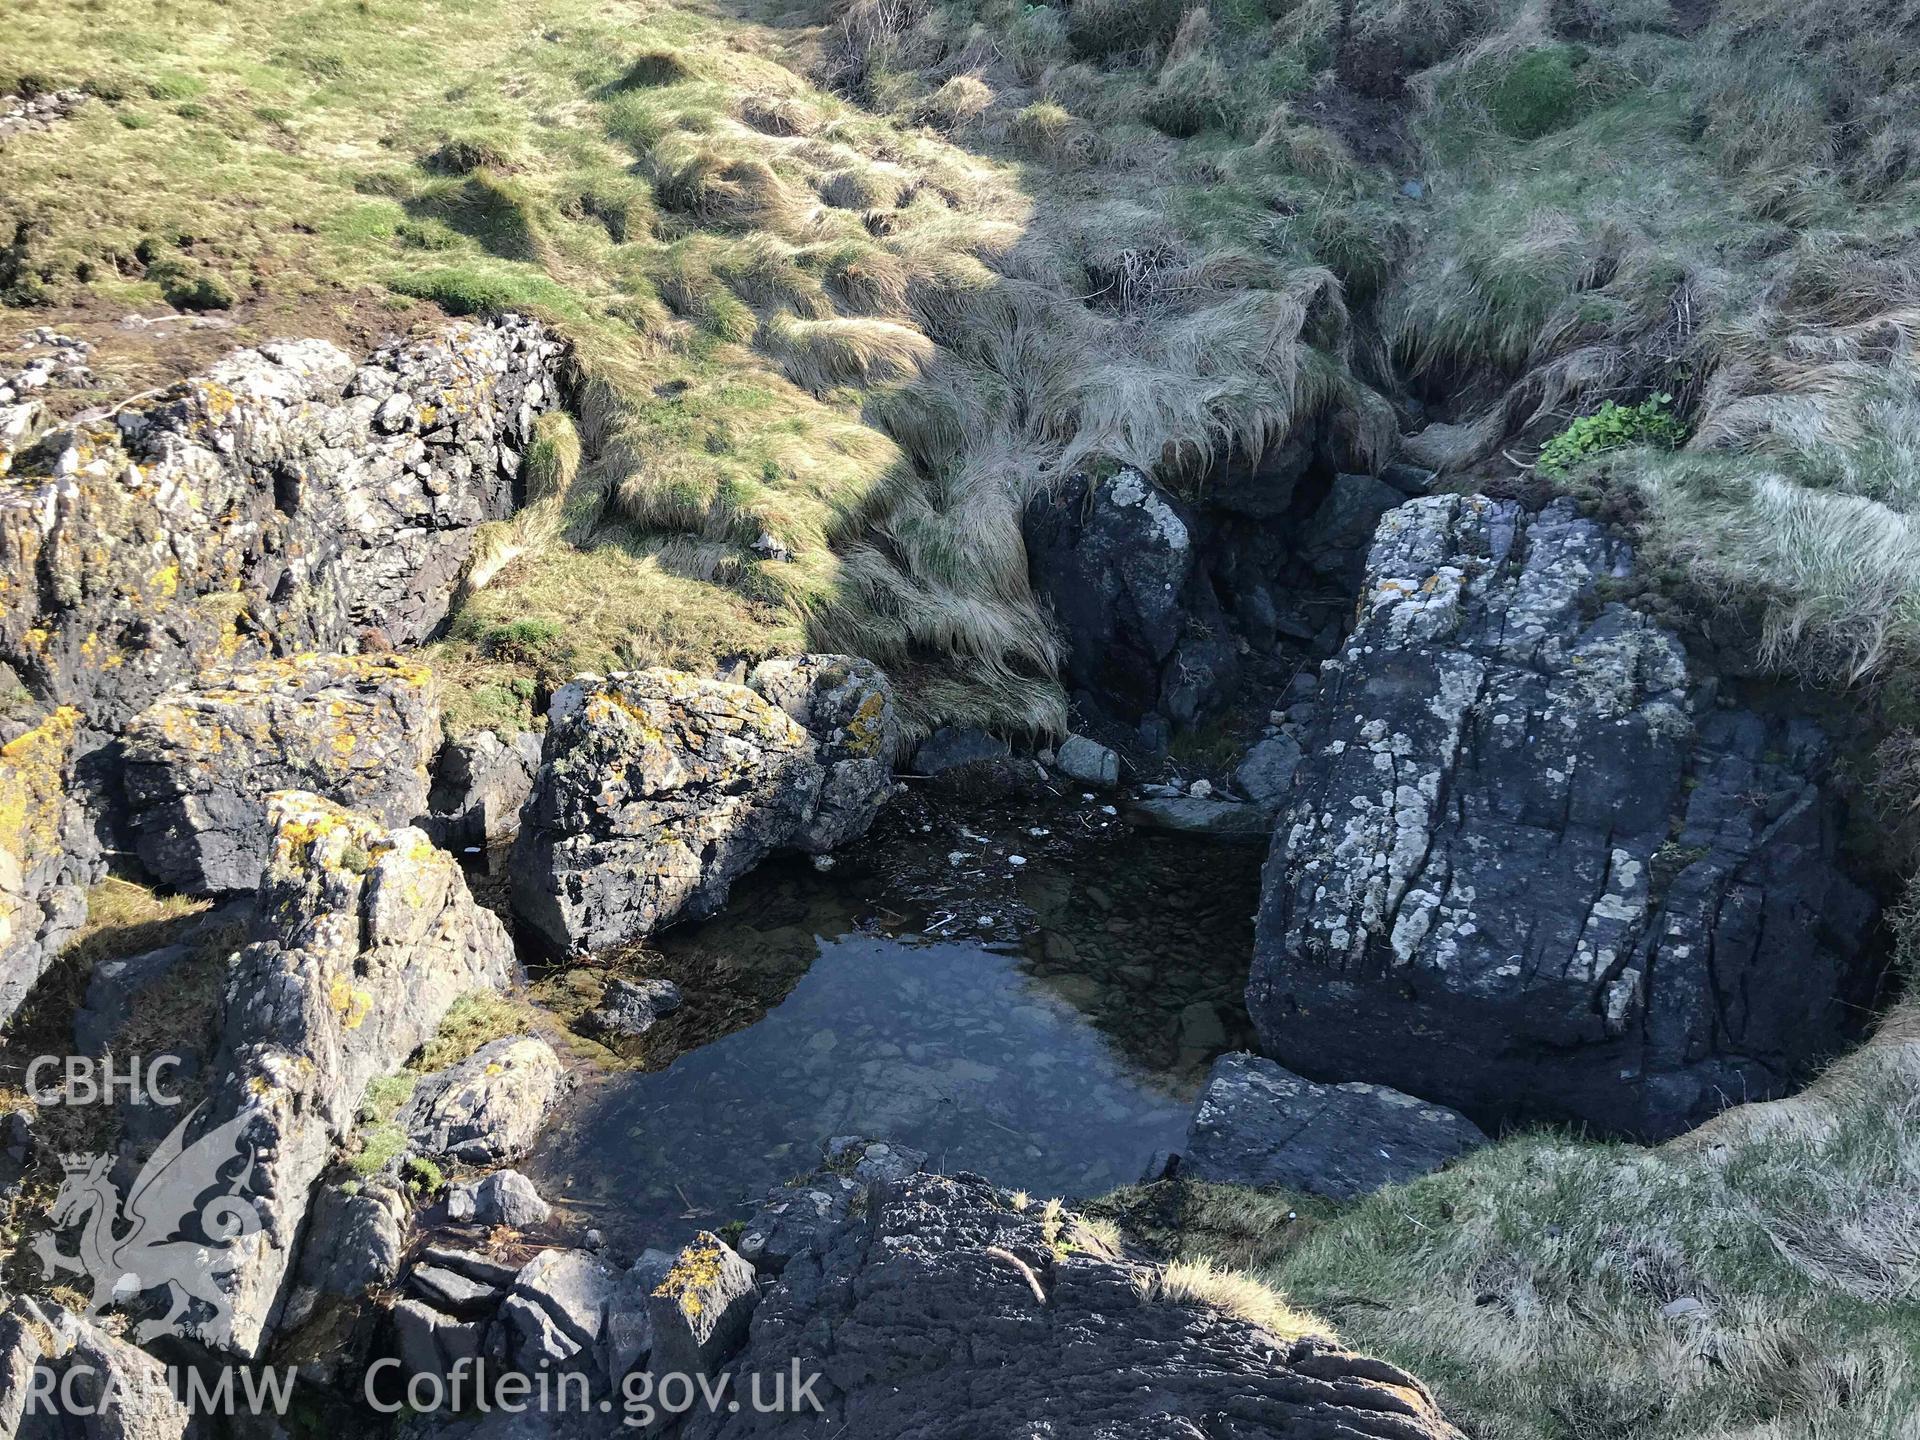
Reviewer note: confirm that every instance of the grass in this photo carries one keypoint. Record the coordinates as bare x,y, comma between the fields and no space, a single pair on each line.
1757,1278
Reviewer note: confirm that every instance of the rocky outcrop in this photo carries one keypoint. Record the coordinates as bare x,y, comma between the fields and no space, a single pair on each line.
286,501
1259,1125
480,781
355,1237
48,855
1116,560
943,1311
22,113
489,1107
658,790
64,1378
1533,866
366,937
356,729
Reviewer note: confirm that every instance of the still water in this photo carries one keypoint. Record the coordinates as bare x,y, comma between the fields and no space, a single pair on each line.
1035,997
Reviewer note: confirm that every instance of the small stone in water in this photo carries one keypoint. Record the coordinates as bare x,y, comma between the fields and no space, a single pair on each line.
1200,789
1016,859
823,863
1039,832
1108,810
986,919
956,857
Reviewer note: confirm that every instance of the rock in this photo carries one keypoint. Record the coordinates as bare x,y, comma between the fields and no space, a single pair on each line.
700,1309
1113,559
479,784
848,707
365,937
630,1007
489,1107
48,854
629,1330
1089,762
1531,870
1259,1125
505,1197
922,1319
795,1219
949,749
557,1313
352,1247
259,510
117,1392
1228,820
1266,774
873,1161
1334,541
658,790
355,729
1409,480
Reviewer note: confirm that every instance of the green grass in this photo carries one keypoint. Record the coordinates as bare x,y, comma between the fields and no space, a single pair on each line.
1755,1279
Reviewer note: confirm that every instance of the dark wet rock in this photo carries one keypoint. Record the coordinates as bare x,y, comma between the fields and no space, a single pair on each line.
260,510
949,749
923,1318
505,1197
1113,559
1089,762
366,935
795,1219
480,781
1532,867
1335,539
1229,820
489,1107
1409,480
700,1309
1266,774
631,1007
1259,1125
118,1391
1261,487
658,790
48,852
356,729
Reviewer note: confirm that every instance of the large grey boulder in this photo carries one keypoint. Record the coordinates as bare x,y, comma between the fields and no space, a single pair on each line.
1532,867
1265,774
944,1312
506,1197
657,790
287,500
359,730
1259,1125
489,1107
366,936
48,1355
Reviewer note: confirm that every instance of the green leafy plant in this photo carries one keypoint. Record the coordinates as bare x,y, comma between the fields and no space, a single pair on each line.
1613,427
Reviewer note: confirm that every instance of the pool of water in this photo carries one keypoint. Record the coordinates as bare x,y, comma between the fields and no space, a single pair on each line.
1035,997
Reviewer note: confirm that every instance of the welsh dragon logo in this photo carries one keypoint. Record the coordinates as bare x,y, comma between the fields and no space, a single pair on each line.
166,1232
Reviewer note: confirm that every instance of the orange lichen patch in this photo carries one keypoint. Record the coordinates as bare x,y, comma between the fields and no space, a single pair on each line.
867,731
33,786
693,1274
311,831
351,1003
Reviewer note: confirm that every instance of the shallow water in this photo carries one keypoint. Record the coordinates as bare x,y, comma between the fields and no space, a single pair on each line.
1045,1021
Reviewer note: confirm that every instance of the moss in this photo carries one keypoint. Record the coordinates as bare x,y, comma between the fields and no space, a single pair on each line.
1540,92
